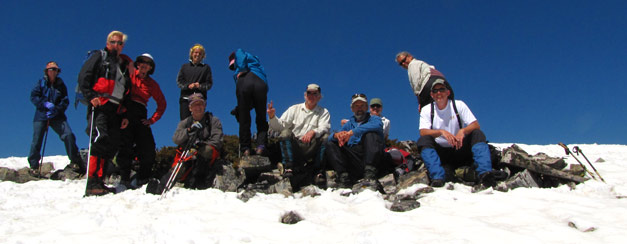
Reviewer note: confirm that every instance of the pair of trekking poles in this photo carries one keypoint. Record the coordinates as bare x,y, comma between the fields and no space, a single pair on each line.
579,151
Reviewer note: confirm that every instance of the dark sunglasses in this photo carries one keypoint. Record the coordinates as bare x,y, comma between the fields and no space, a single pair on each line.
359,95
312,93
434,91
402,61
53,69
375,106
120,43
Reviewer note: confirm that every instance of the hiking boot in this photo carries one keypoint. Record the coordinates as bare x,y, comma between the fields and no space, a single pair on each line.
261,150
34,173
370,172
490,178
96,187
437,183
343,181
320,180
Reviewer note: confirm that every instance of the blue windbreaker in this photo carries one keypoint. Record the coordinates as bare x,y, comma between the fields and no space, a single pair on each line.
245,62
57,94
372,123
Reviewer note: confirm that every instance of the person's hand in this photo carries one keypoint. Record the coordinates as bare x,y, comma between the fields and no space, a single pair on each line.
308,136
146,122
95,102
49,105
450,138
344,121
124,123
343,137
51,113
460,138
195,126
271,111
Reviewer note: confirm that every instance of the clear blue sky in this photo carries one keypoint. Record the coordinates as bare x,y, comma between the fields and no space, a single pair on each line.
534,72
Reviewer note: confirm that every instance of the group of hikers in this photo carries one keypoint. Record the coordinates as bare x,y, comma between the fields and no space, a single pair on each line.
116,90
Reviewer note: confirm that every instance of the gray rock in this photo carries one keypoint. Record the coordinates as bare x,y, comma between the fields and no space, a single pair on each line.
364,184
331,179
553,162
524,178
228,178
282,187
310,191
255,165
246,195
403,205
389,184
516,157
600,160
412,178
291,218
7,174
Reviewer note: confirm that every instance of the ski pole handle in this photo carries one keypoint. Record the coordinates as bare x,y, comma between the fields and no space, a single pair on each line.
566,150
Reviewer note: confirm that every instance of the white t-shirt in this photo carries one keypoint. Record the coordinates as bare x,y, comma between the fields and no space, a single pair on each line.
386,126
445,119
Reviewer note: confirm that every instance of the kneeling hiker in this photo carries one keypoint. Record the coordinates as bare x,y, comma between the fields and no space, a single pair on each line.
201,134
443,141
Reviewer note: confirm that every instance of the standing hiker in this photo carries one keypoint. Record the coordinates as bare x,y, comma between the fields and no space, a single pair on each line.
105,81
252,91
193,77
138,132
421,77
51,100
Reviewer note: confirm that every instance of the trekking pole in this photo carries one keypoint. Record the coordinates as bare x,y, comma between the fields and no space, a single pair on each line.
91,132
578,151
43,150
569,153
179,164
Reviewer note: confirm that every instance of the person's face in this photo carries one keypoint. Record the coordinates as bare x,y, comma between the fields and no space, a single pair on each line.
439,93
196,55
143,68
375,109
115,43
312,97
197,109
52,70
359,108
403,61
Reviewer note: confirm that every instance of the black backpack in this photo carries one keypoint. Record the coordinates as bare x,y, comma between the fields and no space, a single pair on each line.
79,96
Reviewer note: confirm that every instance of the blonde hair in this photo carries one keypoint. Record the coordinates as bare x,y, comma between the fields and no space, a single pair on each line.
117,33
197,46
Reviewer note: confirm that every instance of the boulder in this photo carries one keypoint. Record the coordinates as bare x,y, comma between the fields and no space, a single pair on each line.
291,218
255,165
524,178
412,178
228,178
515,156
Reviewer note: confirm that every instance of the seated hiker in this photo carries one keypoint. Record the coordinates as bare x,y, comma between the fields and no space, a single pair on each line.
303,128
445,141
201,136
355,151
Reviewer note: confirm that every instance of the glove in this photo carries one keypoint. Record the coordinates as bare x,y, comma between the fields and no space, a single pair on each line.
51,114
49,105
196,126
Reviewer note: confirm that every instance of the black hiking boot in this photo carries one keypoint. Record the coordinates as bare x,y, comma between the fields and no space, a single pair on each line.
96,187
344,181
490,178
370,172
437,183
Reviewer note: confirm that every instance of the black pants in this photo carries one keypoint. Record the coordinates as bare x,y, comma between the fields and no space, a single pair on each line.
137,140
251,93
106,135
353,159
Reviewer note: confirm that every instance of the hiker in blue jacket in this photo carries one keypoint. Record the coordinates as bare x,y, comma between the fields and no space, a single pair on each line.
50,99
355,151
450,135
252,92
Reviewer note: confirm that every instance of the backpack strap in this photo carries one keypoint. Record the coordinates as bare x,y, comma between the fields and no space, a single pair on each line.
459,119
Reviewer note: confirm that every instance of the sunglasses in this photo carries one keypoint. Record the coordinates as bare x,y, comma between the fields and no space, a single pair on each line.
359,95
375,106
402,61
120,43
434,91
52,69
312,93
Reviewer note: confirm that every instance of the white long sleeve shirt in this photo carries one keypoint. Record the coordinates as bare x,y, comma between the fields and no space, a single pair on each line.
301,120
419,73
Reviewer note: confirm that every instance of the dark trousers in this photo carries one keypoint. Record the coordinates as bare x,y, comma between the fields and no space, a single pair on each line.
137,140
62,128
251,94
296,152
353,159
106,135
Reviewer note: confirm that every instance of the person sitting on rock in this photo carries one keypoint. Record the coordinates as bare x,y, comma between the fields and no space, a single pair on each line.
303,129
200,133
355,151
449,134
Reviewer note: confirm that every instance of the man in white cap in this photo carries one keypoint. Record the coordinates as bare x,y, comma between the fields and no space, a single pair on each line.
376,107
303,128
355,151
450,134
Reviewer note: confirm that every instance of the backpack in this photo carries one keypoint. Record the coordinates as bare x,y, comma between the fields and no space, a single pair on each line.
402,159
79,96
459,119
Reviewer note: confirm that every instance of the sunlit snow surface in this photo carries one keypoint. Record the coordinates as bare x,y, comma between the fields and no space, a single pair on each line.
56,212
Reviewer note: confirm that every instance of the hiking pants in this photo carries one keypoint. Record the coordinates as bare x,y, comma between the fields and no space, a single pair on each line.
297,153
137,140
62,128
251,94
354,159
106,135
436,158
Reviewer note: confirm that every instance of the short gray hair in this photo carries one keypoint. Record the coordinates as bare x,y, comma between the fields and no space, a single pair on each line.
403,53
